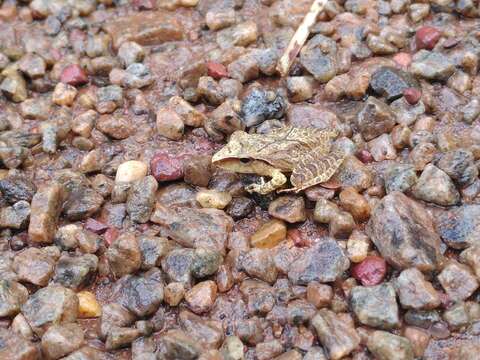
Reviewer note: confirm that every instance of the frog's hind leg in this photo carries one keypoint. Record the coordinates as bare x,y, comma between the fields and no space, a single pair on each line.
264,169
314,168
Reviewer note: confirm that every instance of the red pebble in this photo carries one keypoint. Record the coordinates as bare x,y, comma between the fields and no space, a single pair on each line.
95,226
73,75
365,156
167,167
216,70
427,37
370,271
111,235
412,95
403,59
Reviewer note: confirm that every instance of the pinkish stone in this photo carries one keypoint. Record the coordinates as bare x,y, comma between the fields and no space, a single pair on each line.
370,271
216,70
365,156
95,226
144,4
167,167
412,95
73,75
403,59
427,37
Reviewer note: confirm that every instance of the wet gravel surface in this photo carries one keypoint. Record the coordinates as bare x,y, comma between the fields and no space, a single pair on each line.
119,239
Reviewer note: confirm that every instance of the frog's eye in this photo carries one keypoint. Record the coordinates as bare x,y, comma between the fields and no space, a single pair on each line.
244,160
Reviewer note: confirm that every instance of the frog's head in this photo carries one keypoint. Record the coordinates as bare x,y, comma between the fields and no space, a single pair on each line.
234,153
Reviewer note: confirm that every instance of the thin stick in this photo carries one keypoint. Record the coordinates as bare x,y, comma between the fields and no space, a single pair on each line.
299,38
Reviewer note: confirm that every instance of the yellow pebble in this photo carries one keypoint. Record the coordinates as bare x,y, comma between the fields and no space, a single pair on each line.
269,235
88,306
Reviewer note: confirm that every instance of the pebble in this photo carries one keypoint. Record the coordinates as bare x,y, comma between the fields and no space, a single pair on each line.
141,199
166,167
174,293
16,216
358,245
14,87
131,171
341,225
319,295
232,348
61,340
415,292
412,95
205,262
241,34
456,316
88,306
124,256
471,257
220,18
458,227
435,186
338,337
240,207
13,295
260,105
427,37
201,297
116,127
458,281
404,233
400,177
216,70
73,75
391,82
325,211
288,208
16,188
300,88
269,235
323,262
432,65
370,271
190,116
213,199
259,263
75,272
386,346
418,338
64,94
130,52
459,165
406,113
355,203
421,155
244,69
197,170
375,118
50,305
179,345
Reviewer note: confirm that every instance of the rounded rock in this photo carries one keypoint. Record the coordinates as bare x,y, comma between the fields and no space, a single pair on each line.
131,171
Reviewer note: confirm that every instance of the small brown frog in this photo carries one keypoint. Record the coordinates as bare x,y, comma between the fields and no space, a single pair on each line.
303,152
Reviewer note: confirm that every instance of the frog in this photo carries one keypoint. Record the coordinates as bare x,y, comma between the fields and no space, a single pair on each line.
303,153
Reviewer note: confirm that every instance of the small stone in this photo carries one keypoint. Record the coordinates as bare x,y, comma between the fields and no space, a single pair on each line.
120,337
415,292
242,34
61,340
108,98
73,75
422,154
141,199
174,293
213,199
391,82
459,165
269,235
64,94
325,211
14,87
190,116
210,90
432,65
177,264
403,59
205,262
375,118
124,255
198,170
34,266
244,69
288,208
471,257
471,111
323,262
427,37
219,18
341,225
114,315
318,57
435,186
456,316
179,345
386,346
131,171
319,295
259,263
16,216
130,52
300,88
240,207
418,338
268,350
459,226
12,296
38,109
201,297
418,12
260,105
232,348
458,281
400,177
166,167
50,305
117,127
380,46
153,250
338,337
404,233
88,306
216,70
355,203
16,347
412,95
358,245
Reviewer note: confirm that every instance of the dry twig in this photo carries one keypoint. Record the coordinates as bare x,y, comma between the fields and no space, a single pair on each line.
299,38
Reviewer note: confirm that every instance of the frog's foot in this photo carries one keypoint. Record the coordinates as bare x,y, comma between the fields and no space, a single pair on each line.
277,180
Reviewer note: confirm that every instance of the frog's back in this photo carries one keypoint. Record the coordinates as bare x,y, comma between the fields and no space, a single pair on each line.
283,148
